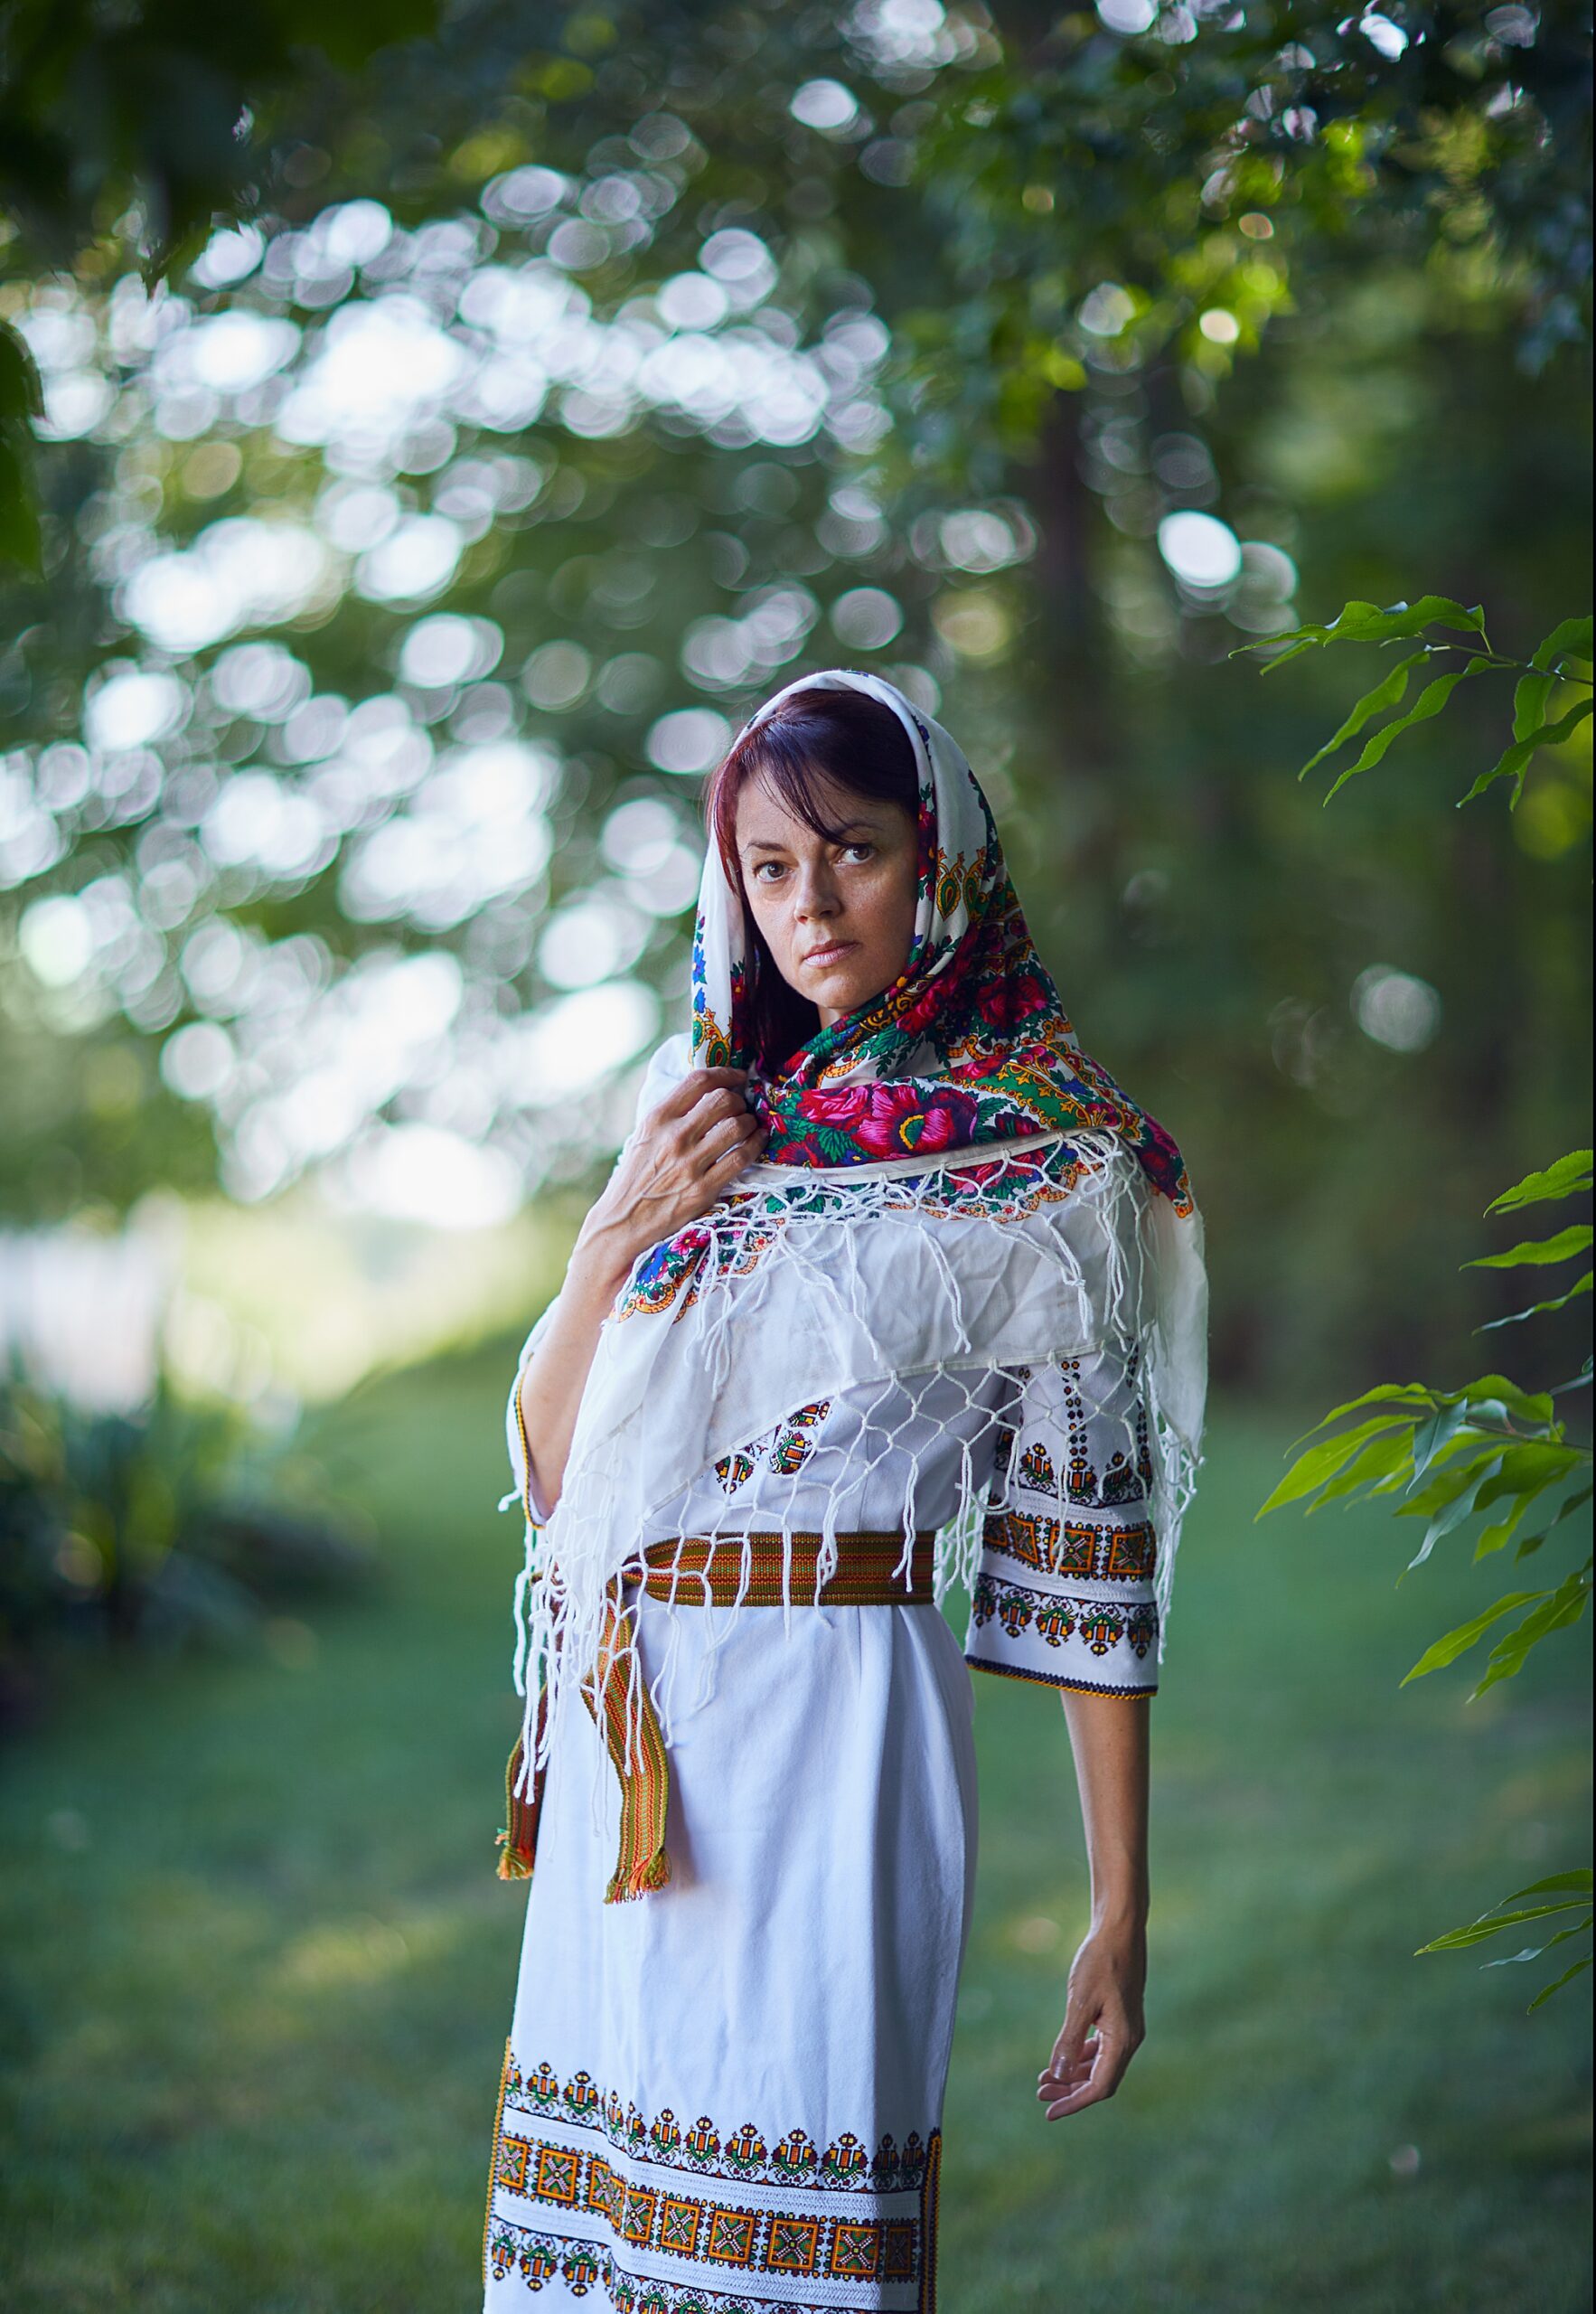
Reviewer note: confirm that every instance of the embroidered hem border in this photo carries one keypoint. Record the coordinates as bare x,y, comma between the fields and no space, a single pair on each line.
839,2235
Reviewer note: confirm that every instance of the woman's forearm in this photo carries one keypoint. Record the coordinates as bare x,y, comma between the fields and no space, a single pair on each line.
549,1390
1109,1736
678,1161
1103,2020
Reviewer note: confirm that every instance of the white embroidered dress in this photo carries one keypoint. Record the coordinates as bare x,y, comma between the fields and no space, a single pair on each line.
725,2098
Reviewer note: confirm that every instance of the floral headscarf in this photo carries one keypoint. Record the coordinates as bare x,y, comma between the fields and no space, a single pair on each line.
970,1045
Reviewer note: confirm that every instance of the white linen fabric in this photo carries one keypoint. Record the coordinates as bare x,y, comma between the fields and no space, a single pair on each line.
731,2096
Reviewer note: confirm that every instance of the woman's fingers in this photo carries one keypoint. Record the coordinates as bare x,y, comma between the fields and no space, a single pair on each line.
721,1131
1071,2047
696,1086
708,1125
1068,2085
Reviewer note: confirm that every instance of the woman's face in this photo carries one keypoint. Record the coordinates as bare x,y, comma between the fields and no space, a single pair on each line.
838,916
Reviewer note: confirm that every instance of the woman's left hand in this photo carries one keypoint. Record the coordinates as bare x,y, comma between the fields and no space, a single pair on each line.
1104,2025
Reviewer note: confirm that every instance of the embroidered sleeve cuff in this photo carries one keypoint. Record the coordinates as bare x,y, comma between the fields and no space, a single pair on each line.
1066,1635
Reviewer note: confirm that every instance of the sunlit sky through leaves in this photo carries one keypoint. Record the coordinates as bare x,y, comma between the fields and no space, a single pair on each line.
441,579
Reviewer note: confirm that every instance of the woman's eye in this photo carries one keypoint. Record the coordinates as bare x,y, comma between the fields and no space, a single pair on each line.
861,850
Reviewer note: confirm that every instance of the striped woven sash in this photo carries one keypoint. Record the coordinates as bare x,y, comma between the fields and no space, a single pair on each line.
700,1570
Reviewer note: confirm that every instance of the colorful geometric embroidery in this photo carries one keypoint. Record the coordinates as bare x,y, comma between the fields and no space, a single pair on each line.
741,2158
1035,1470
666,2217
1055,1617
1125,1479
784,1449
791,1449
784,2241
1098,1553
537,2258
998,1189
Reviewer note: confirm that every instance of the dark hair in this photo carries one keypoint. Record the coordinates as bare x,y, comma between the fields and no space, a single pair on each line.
844,735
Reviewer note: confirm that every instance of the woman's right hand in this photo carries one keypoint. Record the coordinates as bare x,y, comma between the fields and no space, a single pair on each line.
682,1158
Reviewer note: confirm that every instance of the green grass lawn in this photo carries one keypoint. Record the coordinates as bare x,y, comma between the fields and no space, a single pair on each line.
256,1971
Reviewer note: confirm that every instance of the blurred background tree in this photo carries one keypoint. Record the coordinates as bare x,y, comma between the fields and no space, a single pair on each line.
553,387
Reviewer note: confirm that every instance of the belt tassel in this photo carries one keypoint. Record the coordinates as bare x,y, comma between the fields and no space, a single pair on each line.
702,1568
625,1717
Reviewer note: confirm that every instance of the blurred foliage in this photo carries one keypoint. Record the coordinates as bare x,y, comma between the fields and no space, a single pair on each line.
566,382
134,126
1211,164
175,1522
1490,1449
1542,716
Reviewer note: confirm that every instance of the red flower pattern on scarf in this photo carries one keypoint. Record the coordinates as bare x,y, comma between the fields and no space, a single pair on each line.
893,1119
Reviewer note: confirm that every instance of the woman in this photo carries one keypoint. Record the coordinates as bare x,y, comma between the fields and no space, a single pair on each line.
891,1287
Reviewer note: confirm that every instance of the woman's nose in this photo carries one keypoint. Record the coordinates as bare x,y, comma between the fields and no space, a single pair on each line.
817,894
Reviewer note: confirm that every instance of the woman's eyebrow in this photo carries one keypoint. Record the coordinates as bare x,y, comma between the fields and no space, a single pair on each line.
847,827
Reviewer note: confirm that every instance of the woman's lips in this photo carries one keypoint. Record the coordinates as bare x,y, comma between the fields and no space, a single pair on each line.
830,952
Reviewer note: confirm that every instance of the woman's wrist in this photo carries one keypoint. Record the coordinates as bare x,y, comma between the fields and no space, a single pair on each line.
1121,1911
601,1260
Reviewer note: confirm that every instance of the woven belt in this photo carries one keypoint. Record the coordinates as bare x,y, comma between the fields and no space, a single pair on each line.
708,1569
713,1570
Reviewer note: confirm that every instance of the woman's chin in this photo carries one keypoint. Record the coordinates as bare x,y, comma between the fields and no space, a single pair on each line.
839,991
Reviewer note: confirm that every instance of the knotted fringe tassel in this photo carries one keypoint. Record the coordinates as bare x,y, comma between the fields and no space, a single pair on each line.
518,1840
629,1736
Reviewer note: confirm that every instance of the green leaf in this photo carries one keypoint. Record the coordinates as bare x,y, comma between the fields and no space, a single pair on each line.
1362,622
1566,1178
1429,703
1530,1466
1556,1884
1411,1401
1304,639
1539,1309
1358,622
1492,1924
1457,1643
1535,1462
1320,1463
20,541
1467,1464
1565,1511
1388,1458
1530,695
1526,1474
1533,1951
1452,1515
1408,1394
1497,1537
1539,1253
1516,762
1557,1983
22,395
1265,642
1442,1432
1526,1405
1562,1607
1389,693
1569,639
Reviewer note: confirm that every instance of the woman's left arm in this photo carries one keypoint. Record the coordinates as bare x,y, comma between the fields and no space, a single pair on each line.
1104,2025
